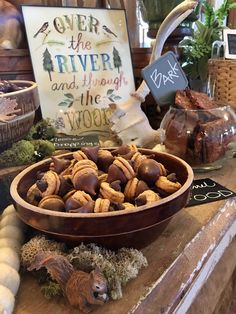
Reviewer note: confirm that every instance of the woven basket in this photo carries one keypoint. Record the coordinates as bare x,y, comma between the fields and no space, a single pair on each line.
223,72
27,98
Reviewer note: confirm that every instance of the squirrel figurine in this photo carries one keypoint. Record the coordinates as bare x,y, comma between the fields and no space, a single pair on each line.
80,288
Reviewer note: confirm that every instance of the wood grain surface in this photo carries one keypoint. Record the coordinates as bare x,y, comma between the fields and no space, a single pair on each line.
172,258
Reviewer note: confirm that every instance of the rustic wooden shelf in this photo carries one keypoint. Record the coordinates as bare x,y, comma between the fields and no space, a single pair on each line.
185,269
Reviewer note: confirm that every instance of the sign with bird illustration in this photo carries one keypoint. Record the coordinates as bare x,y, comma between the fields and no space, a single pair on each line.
82,63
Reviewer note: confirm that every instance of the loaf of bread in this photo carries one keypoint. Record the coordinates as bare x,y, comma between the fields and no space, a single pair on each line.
198,132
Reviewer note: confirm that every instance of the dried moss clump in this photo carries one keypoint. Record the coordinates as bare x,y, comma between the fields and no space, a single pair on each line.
36,244
118,267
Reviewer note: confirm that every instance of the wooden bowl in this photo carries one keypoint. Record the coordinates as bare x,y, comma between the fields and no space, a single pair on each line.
129,228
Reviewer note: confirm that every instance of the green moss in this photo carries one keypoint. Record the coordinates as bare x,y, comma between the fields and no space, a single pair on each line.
25,152
41,130
21,153
43,148
51,289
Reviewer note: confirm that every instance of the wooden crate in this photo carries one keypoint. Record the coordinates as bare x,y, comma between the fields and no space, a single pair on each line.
15,64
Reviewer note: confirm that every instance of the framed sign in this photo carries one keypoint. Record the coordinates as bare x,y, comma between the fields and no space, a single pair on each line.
82,62
229,36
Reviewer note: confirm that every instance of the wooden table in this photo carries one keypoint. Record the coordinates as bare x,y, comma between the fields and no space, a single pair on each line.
190,269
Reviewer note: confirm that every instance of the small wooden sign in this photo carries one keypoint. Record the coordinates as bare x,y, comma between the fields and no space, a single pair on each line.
164,77
75,142
206,191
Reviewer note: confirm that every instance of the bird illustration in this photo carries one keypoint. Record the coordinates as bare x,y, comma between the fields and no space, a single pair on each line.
108,30
42,29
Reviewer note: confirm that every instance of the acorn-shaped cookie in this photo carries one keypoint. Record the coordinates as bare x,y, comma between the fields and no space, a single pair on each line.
149,171
101,205
147,197
77,200
49,184
128,205
65,185
102,177
91,152
108,192
115,173
85,176
86,208
133,188
104,160
68,195
34,195
121,169
137,159
59,164
79,155
123,150
52,202
167,185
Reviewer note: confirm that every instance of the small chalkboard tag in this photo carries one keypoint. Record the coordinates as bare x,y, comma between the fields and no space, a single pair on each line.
75,142
164,77
206,191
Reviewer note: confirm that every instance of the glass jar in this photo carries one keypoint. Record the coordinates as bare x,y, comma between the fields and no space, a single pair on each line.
204,137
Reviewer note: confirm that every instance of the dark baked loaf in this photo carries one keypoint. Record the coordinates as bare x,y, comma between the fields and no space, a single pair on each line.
189,99
210,142
199,135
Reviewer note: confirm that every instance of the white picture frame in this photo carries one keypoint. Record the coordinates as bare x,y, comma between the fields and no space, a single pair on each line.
82,62
229,37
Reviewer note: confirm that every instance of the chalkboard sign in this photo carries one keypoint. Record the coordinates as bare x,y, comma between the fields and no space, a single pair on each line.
164,77
230,43
206,191
75,142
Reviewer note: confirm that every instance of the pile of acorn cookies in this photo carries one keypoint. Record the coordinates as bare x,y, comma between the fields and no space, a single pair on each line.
98,180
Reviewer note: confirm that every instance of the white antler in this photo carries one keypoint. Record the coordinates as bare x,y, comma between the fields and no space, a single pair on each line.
128,120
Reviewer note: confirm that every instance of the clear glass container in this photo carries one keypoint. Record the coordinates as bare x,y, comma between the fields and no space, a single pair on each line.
205,138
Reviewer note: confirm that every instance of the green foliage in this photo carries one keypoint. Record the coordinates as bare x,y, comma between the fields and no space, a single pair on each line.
34,147
196,50
26,152
42,130
21,153
42,148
